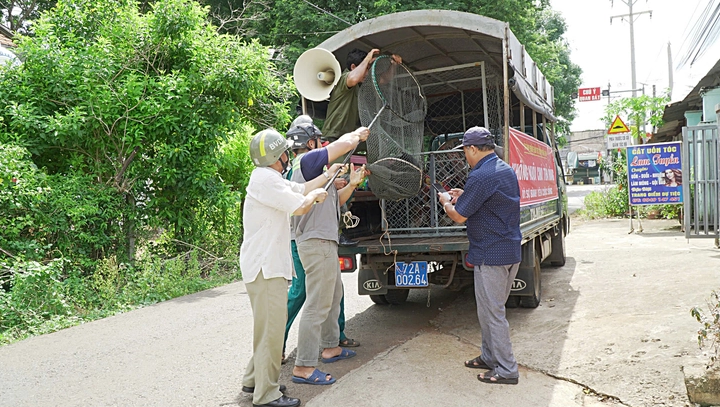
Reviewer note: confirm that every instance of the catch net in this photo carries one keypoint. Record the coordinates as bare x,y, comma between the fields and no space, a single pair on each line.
392,105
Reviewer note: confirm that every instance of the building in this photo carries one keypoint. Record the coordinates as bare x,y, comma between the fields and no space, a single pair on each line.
580,156
6,37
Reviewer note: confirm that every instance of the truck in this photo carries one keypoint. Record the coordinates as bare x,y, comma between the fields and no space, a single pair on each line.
473,71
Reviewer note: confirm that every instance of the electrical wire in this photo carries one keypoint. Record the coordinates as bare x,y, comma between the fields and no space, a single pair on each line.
328,13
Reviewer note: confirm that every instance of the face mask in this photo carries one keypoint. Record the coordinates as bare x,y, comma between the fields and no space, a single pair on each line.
285,164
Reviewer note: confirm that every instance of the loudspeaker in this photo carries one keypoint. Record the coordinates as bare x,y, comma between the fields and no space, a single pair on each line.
316,72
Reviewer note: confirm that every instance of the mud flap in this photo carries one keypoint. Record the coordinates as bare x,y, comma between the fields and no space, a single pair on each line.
525,279
370,282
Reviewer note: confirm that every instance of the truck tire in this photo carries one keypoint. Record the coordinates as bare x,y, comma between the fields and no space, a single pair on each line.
397,297
379,299
533,300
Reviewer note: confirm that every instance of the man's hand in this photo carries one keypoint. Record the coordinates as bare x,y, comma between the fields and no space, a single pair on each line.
333,169
363,133
318,195
396,59
455,194
340,183
356,176
370,57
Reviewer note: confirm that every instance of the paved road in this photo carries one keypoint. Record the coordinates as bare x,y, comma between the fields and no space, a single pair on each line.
613,328
577,193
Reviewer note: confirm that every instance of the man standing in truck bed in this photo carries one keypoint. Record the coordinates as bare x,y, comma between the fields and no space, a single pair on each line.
490,203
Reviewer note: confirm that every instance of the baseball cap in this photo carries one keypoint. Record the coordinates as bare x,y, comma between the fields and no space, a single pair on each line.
477,136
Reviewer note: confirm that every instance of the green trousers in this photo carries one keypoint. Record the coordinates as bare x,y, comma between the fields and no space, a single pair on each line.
296,298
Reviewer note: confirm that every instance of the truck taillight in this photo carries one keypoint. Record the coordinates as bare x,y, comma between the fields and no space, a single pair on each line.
468,265
347,263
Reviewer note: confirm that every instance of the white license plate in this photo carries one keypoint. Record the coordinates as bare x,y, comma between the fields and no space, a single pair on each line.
413,274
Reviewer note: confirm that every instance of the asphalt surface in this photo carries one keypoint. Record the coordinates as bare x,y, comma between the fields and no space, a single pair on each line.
613,328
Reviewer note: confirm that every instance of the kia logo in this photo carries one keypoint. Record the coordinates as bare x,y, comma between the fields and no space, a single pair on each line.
372,285
518,285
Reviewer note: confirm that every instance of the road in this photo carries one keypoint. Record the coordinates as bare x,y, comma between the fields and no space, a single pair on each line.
613,328
576,195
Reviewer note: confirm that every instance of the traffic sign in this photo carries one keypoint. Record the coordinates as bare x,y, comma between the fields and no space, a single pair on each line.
618,126
588,94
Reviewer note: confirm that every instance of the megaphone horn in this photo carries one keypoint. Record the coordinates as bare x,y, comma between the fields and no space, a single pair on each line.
315,74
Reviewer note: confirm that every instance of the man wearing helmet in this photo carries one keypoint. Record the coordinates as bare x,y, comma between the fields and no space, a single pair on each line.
316,236
264,261
301,132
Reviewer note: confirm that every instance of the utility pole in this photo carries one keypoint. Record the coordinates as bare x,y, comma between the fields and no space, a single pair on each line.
631,19
670,70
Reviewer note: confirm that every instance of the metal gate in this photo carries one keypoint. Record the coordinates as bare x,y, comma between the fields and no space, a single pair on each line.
701,181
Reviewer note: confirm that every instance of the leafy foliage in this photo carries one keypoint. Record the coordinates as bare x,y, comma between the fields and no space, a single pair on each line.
123,151
294,26
637,112
709,333
18,15
46,297
139,102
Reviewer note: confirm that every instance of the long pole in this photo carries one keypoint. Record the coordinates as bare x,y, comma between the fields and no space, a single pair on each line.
670,70
631,20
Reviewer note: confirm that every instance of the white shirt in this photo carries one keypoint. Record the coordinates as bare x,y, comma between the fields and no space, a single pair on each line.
269,201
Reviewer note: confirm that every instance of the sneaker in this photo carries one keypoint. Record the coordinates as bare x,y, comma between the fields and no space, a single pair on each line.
344,241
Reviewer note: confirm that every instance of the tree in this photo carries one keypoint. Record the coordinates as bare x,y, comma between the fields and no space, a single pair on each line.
638,112
17,15
293,26
141,102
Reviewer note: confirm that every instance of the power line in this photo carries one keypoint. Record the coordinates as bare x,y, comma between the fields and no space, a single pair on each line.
328,13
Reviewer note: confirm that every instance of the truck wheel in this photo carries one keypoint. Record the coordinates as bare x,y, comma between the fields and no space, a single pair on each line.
379,299
534,300
397,297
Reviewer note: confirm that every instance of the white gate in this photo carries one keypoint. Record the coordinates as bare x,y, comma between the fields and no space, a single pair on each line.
701,181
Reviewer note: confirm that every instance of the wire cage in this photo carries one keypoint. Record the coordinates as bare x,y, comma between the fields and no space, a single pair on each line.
458,97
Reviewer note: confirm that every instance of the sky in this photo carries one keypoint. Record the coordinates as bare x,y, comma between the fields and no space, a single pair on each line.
602,49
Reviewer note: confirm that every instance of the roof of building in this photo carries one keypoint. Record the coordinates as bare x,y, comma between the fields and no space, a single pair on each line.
6,37
674,114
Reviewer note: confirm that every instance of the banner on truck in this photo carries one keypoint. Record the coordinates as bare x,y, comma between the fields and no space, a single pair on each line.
655,174
534,165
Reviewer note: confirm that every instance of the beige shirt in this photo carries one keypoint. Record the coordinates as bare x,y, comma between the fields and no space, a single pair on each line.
269,202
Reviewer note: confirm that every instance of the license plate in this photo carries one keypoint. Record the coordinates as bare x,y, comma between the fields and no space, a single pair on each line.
413,274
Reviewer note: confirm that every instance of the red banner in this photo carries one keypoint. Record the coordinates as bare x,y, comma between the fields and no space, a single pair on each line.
534,166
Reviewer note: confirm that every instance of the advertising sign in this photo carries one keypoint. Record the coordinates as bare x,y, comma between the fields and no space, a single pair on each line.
534,166
655,174
588,94
7,56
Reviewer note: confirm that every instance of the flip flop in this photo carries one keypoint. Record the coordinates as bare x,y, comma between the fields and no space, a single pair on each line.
477,363
349,343
317,377
344,354
494,378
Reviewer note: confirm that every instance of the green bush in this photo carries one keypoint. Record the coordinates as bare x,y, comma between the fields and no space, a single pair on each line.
709,333
49,216
37,298
611,203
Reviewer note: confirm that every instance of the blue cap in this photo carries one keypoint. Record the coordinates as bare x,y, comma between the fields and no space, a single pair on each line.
478,136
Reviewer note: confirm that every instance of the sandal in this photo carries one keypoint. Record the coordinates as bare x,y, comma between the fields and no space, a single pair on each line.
494,378
349,343
477,363
317,377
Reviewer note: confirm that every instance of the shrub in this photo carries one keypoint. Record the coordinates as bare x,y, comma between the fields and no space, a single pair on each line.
709,333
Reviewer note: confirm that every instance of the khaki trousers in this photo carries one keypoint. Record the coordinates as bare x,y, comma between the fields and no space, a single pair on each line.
268,299
319,327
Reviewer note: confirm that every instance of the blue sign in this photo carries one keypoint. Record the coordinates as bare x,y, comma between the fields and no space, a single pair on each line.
655,174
